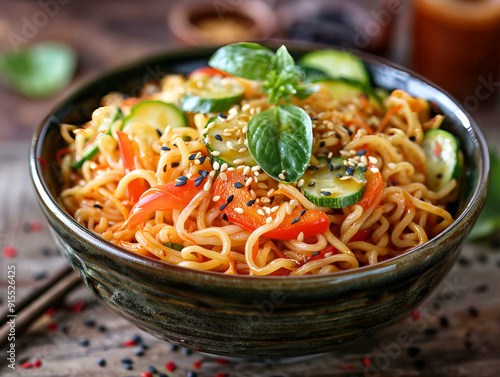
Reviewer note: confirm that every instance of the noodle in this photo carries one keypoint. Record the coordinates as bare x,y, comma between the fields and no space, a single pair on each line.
404,214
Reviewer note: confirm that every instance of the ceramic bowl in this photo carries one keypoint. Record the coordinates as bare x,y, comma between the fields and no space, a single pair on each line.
254,317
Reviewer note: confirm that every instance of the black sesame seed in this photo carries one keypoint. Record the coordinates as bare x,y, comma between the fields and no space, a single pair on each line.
330,166
84,342
164,148
350,170
180,183
218,137
102,328
205,173
152,369
186,351
45,251
158,132
481,288
101,362
419,364
229,199
338,136
361,152
439,176
316,253
200,172
127,360
302,212
474,313
326,193
192,156
413,351
144,346
199,178
202,159
339,175
182,178
223,207
464,261
314,118
250,202
192,373
137,339
431,331
348,130
198,182
443,321
224,217
174,347
413,138
338,167
222,116
311,184
162,375
63,327
238,185
40,275
296,220
313,168
127,366
97,206
322,144
89,322
175,164
139,352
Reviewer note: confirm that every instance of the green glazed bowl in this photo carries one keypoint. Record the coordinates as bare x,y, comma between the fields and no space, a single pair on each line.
254,317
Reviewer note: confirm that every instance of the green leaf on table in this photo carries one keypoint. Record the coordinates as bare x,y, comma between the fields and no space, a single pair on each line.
250,61
489,220
40,70
281,139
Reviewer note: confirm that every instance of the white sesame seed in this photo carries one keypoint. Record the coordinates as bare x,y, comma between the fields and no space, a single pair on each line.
374,170
189,175
224,167
230,145
246,142
288,209
269,220
256,173
300,183
216,153
197,162
241,167
372,159
242,150
216,165
281,176
167,130
294,203
329,254
212,173
238,161
239,210
261,212
204,131
254,195
227,134
198,155
275,208
391,165
262,185
255,168
330,155
249,181
233,110
207,186
268,210
216,198
345,178
245,129
270,192
265,200
344,153
223,176
300,237
364,160
246,170
241,141
245,107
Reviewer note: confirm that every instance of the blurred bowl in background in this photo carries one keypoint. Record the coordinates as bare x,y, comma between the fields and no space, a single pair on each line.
202,23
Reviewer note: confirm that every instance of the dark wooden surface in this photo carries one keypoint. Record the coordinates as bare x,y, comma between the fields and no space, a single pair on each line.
107,34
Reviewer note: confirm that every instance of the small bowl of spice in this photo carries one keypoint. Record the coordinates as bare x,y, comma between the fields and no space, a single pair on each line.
206,23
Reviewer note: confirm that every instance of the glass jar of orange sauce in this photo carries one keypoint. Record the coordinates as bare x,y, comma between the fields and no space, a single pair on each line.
456,44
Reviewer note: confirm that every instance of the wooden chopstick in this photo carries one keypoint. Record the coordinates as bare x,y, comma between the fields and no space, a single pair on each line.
58,286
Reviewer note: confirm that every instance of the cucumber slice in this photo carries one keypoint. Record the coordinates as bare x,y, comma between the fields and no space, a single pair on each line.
218,143
211,94
157,114
327,186
103,129
442,151
337,65
345,89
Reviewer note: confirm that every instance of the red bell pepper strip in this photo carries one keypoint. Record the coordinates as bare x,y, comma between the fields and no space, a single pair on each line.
312,222
321,255
374,184
163,198
137,187
208,71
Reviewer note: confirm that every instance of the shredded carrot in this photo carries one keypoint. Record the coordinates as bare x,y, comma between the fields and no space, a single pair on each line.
60,153
201,258
255,250
363,125
388,116
277,251
366,104
232,265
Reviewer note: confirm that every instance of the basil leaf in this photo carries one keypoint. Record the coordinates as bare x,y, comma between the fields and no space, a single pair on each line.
281,139
39,71
283,60
247,60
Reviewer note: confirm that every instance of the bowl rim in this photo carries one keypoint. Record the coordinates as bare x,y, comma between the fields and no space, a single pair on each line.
308,281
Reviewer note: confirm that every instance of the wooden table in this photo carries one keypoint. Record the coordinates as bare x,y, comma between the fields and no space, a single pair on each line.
456,332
